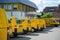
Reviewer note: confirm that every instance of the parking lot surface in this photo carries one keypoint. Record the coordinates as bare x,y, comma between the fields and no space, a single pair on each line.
50,33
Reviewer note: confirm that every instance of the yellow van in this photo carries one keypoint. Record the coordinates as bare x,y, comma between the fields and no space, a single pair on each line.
19,27
57,20
42,24
51,22
37,24
4,28
34,25
13,26
47,20
54,22
24,25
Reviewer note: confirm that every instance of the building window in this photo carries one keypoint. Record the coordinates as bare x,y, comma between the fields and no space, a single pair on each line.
27,8
51,10
59,8
9,6
21,9
15,6
5,7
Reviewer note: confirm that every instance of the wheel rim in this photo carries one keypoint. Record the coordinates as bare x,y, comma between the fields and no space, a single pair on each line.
32,30
39,27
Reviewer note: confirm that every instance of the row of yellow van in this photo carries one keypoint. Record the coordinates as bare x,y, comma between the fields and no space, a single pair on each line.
23,26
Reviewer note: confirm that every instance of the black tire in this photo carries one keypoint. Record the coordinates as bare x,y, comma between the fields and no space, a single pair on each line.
41,29
25,32
35,30
56,25
38,29
8,37
14,34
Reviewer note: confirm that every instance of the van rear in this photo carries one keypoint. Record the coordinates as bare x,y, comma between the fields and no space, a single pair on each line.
3,25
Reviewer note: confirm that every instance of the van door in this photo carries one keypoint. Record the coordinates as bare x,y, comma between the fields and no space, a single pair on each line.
3,25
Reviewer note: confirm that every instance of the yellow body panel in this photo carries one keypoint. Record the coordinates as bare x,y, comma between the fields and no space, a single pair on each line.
29,26
57,19
13,23
33,23
3,18
37,23
47,20
53,21
19,29
42,23
3,25
24,23
3,33
50,21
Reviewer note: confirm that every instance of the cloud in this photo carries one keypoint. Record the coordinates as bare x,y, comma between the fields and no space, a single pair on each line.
50,2
41,4
37,2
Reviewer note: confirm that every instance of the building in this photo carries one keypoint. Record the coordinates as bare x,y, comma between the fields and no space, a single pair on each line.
18,8
57,15
53,10
59,9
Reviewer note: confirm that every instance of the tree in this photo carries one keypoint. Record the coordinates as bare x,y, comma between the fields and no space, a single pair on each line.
46,16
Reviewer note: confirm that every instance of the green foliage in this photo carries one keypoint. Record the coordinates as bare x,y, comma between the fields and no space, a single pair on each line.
47,16
44,15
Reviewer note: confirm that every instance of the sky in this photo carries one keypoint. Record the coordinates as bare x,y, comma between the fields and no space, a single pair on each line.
41,4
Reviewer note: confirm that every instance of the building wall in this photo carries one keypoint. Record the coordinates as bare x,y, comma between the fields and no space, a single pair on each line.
50,9
56,15
17,14
8,13
17,9
54,12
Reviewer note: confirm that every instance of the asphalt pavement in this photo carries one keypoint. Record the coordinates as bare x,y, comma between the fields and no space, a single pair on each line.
50,33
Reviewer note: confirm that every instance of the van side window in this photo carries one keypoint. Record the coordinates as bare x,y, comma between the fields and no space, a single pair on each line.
17,21
28,21
9,21
20,22
23,20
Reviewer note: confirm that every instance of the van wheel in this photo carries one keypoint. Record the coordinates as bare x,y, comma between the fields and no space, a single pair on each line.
38,29
35,30
32,30
41,29
25,32
56,25
14,34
